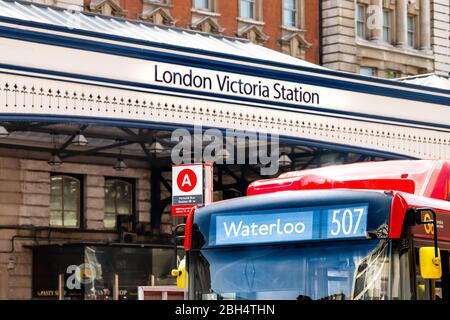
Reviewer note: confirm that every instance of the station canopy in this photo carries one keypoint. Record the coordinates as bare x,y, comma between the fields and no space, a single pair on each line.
144,31
428,80
96,75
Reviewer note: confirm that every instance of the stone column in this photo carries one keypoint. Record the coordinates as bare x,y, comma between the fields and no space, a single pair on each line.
375,22
301,14
425,25
402,24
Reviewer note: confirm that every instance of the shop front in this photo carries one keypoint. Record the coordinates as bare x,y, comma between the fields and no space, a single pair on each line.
89,271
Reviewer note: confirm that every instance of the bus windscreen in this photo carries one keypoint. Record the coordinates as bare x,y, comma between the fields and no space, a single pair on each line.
289,225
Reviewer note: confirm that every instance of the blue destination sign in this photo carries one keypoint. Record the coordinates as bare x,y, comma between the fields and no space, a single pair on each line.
290,225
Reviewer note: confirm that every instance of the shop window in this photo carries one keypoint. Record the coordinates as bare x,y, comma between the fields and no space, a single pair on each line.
65,201
411,31
100,266
290,13
387,21
118,201
368,71
361,21
247,9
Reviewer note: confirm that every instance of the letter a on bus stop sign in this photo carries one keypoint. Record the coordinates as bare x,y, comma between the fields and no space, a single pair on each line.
187,188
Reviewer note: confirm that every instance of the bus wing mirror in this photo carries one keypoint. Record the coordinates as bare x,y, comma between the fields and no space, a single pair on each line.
427,216
430,265
181,274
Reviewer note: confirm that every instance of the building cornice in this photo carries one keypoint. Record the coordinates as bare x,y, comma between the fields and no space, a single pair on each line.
393,49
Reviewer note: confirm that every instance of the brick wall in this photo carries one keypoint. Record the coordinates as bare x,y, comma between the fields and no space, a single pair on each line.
180,10
229,12
273,21
312,26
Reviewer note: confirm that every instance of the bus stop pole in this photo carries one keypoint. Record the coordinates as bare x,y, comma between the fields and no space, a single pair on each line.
116,287
60,287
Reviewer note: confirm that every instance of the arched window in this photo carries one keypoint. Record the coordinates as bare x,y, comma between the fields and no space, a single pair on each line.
64,201
118,201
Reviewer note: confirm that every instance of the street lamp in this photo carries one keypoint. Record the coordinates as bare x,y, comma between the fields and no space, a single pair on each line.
3,132
284,160
156,147
55,160
80,140
120,165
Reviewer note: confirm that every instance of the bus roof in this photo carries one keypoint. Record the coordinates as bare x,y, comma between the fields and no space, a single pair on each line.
428,178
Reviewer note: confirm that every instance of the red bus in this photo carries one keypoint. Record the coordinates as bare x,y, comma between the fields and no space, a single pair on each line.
377,230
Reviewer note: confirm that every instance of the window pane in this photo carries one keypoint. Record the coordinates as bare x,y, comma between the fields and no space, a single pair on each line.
64,201
118,200
109,220
202,4
289,18
70,218
386,35
290,4
123,206
55,185
391,74
411,30
360,29
367,71
360,13
361,21
110,196
386,19
55,195
410,23
71,191
55,218
247,9
124,198
386,26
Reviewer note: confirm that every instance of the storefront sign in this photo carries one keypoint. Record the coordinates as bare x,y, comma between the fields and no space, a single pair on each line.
191,186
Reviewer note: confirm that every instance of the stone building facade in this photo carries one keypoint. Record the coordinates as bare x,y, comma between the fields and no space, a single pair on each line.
386,38
289,26
25,202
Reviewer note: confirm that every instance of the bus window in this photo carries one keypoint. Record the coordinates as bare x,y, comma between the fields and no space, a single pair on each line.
331,271
442,285
422,285
402,274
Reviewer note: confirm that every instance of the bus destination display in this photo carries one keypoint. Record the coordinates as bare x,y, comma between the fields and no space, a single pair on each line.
290,225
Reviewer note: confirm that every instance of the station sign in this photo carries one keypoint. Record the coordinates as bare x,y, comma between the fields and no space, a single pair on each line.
191,187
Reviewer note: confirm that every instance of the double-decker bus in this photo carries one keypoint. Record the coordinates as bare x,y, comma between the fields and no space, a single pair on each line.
374,230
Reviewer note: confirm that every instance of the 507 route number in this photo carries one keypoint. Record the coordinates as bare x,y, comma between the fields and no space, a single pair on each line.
346,222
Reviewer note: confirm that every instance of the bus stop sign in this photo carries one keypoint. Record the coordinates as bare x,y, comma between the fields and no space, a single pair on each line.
190,187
